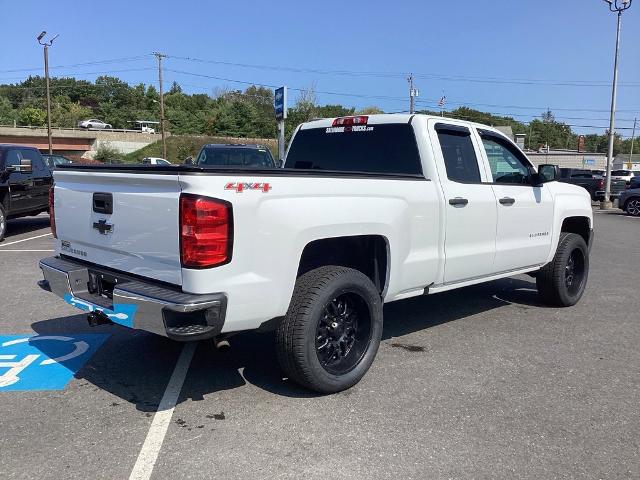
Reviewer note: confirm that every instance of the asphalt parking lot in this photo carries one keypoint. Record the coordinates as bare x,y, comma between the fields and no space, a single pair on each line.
482,382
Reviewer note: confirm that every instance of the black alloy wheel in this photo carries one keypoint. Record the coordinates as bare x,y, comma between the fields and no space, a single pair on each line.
343,333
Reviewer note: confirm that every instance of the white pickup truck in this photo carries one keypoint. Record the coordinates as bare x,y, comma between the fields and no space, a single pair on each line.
367,210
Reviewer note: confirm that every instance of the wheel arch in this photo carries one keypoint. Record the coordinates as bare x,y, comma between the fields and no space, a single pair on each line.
579,225
369,254
4,199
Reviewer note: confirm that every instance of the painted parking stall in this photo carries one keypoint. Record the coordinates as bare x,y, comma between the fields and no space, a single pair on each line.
44,362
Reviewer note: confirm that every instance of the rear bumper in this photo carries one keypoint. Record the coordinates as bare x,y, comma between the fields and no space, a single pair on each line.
135,303
600,194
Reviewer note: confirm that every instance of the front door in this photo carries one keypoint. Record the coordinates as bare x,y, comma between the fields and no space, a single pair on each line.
525,212
20,184
41,180
469,204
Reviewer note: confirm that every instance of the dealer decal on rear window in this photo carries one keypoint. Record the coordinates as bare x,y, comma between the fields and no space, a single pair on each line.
349,128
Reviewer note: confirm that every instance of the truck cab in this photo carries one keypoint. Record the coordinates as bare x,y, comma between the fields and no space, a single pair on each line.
25,181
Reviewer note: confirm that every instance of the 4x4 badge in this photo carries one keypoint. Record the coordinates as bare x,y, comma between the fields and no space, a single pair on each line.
240,187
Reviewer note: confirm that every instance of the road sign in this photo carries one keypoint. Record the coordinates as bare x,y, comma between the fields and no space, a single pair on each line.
44,362
280,103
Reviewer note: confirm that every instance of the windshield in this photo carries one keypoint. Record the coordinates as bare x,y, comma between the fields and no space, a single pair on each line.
387,148
61,161
621,173
236,157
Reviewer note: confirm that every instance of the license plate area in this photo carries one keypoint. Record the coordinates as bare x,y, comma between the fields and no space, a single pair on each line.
101,284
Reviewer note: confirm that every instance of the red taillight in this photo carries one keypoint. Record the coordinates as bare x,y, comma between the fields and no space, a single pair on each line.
205,231
359,120
52,211
601,184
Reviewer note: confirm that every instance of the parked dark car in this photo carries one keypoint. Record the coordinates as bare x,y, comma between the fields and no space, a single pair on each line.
594,183
25,181
629,200
634,183
54,160
222,155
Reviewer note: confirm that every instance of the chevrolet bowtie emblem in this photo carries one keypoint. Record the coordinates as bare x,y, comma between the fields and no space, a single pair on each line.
103,227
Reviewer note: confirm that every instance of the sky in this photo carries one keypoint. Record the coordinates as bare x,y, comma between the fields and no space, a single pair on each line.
516,58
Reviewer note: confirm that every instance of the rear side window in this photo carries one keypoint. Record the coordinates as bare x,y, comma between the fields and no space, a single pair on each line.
384,149
459,155
235,157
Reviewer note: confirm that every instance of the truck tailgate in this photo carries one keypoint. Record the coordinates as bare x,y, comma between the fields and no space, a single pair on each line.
139,236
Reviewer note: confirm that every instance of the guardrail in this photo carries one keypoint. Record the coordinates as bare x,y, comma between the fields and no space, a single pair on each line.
77,129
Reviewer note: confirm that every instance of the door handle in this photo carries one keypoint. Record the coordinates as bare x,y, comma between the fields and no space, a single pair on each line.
507,201
458,201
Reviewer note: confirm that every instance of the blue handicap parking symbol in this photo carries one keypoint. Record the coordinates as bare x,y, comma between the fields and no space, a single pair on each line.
123,314
44,362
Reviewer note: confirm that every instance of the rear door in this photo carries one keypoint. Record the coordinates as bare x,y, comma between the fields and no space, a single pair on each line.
525,212
470,205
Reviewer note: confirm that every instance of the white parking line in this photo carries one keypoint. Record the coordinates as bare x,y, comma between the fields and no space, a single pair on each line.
151,448
24,240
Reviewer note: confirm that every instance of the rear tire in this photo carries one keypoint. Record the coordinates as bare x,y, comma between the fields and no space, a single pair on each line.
632,207
561,282
331,333
3,222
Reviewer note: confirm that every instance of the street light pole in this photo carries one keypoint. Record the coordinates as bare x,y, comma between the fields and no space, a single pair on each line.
46,46
617,6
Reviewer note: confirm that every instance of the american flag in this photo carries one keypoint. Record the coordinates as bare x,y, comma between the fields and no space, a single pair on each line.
442,101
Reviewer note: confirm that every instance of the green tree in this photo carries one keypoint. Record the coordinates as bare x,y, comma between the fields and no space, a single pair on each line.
7,113
31,116
372,110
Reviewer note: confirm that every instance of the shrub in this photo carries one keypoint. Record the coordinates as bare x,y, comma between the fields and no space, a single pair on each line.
108,154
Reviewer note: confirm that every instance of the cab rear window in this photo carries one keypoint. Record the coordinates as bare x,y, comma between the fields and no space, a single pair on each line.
384,149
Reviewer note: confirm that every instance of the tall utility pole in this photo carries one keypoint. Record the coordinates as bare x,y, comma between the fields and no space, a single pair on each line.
160,56
633,139
617,6
46,46
413,92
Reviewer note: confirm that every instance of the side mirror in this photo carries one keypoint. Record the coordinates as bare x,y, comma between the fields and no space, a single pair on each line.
25,166
279,163
188,161
549,173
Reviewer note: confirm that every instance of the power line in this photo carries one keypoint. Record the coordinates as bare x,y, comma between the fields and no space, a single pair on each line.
386,97
85,64
454,78
77,74
521,107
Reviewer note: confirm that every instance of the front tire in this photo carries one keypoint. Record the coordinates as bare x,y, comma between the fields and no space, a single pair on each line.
3,222
331,333
633,207
561,282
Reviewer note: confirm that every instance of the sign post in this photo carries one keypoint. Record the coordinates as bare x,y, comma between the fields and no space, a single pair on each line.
280,107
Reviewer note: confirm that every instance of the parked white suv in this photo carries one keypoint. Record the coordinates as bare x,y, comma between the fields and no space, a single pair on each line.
368,210
625,175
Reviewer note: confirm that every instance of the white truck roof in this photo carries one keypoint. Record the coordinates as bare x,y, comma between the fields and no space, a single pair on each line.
387,118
